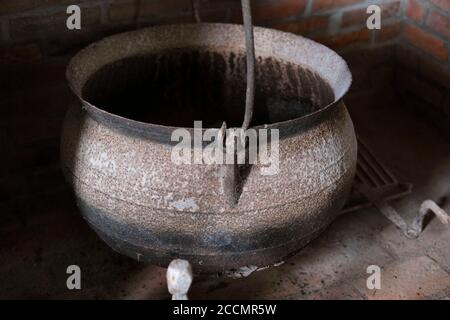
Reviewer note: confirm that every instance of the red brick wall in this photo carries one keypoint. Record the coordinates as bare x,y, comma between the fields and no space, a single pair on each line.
423,77
35,28
427,27
40,24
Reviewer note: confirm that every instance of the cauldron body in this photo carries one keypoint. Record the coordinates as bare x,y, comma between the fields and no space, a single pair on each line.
145,206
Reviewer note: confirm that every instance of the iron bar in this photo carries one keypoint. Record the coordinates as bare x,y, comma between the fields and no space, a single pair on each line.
250,48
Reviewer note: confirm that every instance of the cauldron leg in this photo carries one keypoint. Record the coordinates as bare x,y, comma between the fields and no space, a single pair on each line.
179,279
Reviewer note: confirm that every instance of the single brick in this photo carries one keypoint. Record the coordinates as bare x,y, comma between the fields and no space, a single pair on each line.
216,15
20,53
279,9
20,6
222,4
389,10
322,5
359,16
443,4
341,41
43,26
439,23
9,6
389,32
426,41
415,10
305,26
162,7
123,11
354,17
414,278
263,12
132,10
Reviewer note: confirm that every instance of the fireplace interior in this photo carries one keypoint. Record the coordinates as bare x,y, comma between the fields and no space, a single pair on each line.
399,103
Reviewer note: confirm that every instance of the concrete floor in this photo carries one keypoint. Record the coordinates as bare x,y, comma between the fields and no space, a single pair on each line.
35,253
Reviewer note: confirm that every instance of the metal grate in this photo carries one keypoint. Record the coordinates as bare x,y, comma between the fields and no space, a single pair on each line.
374,175
375,185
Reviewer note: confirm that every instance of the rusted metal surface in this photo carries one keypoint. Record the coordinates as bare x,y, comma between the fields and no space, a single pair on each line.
143,205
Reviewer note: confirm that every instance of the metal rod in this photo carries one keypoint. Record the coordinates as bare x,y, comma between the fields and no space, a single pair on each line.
195,4
250,48
427,206
410,231
387,210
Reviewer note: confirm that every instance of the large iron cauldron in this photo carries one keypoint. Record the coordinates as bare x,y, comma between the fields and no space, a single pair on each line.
136,88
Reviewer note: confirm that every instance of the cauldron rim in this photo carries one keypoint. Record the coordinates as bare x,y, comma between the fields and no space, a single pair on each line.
162,133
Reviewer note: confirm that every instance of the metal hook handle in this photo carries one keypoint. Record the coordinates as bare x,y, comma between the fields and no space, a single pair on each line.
250,48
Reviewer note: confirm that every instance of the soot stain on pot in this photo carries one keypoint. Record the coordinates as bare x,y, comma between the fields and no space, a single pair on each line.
222,242
177,87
